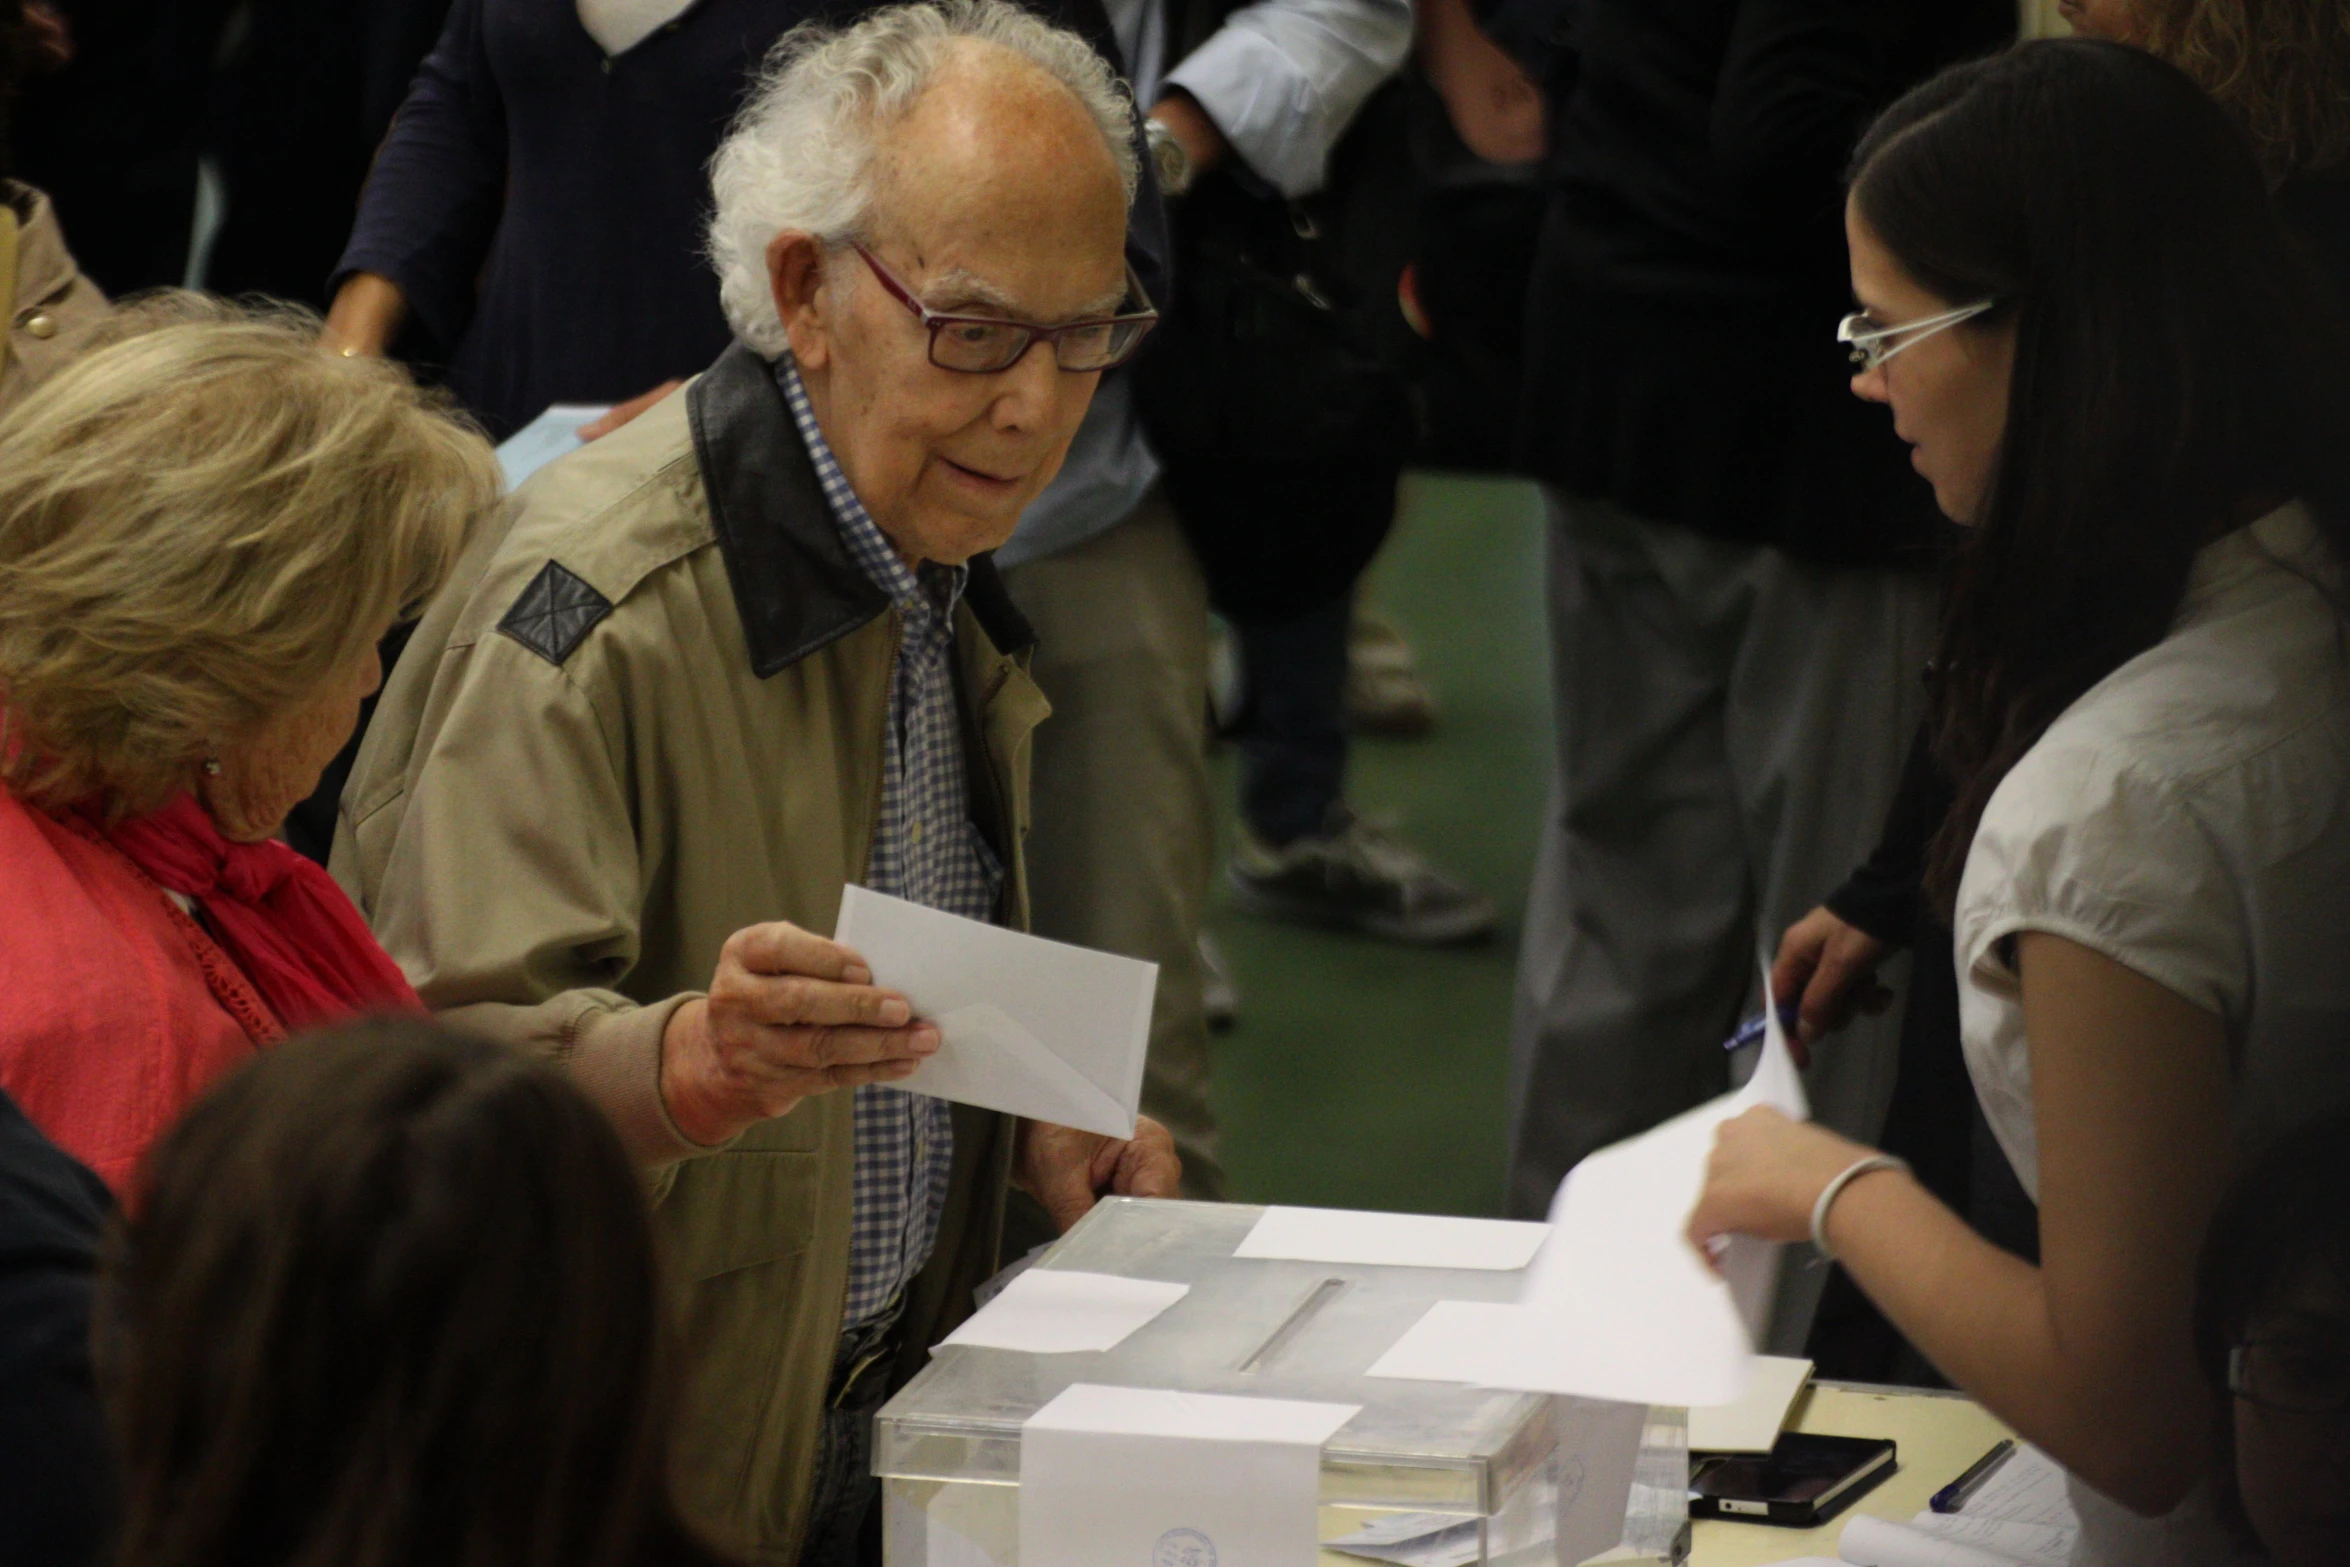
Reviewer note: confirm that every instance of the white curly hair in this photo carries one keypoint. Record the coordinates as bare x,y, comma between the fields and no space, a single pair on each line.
800,154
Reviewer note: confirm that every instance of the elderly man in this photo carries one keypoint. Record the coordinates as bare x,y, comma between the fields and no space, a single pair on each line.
750,648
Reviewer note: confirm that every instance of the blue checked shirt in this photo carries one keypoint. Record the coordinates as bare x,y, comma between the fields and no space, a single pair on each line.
925,850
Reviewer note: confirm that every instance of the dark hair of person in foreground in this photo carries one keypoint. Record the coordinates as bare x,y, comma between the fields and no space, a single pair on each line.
2272,1328
2178,371
386,1299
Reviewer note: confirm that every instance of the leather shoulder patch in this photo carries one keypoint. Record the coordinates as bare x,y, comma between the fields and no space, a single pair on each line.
555,614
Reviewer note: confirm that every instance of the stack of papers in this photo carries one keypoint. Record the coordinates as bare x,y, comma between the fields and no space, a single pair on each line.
1027,1026
1753,1424
2022,1517
1618,1304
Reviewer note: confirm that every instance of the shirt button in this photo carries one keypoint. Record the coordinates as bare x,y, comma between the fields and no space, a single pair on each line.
914,833
41,324
607,65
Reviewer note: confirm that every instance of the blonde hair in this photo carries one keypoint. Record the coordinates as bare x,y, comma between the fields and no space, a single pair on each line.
202,522
800,154
2280,67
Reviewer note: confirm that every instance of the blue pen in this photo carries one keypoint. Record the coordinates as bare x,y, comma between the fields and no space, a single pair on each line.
1751,1031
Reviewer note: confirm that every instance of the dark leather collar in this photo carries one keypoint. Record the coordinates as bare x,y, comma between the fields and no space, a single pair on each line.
795,586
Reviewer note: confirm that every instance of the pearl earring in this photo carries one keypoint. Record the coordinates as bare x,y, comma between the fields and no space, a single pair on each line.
212,767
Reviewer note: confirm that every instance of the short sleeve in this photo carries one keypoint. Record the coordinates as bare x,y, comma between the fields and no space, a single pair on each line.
2075,844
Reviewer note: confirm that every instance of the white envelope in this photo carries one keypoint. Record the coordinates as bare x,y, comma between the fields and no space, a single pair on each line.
1030,1027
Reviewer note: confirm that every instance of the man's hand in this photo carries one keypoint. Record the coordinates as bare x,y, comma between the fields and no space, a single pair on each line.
790,1015
1068,1170
1832,966
620,413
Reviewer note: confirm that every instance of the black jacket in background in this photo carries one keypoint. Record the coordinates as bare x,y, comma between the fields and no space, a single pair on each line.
1681,358
542,206
56,1472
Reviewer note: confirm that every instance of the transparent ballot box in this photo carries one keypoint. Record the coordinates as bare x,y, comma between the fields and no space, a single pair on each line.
1490,1470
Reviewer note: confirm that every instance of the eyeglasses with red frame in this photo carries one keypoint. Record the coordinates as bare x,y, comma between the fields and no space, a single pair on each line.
983,345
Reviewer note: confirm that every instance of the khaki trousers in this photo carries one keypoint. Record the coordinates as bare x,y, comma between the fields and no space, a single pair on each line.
1123,841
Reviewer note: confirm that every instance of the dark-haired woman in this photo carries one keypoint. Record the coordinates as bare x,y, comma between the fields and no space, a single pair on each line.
386,1299
2115,369
2272,1328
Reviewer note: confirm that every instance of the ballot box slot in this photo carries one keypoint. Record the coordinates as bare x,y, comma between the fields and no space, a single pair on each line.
1307,1308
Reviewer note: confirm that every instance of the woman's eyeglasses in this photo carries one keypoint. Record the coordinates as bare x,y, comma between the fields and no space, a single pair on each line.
983,345
2294,1374
1872,344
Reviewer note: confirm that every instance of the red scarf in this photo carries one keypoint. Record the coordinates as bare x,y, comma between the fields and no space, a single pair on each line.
279,916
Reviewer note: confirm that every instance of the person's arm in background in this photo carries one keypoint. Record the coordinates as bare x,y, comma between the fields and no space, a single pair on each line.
1828,959
431,203
1495,106
1279,83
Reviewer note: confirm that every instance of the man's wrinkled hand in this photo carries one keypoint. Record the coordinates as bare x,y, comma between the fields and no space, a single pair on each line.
1829,965
790,1015
1068,1171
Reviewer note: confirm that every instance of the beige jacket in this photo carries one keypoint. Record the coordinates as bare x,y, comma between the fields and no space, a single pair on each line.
648,713
53,308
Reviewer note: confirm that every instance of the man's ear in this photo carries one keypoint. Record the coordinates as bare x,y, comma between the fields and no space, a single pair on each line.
804,300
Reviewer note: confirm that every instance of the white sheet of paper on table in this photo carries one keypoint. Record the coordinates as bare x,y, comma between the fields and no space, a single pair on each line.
1618,1304
1027,1026
1168,1479
1753,1424
1053,1311
1879,1542
1394,1240
553,434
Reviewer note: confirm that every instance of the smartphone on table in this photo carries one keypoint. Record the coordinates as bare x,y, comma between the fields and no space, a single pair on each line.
1801,1483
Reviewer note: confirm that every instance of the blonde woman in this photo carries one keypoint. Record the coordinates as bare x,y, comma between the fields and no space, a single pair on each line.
205,527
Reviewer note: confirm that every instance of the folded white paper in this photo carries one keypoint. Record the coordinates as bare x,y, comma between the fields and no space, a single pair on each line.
1027,1026
1394,1240
1051,1311
1751,1425
1157,1478
1618,1304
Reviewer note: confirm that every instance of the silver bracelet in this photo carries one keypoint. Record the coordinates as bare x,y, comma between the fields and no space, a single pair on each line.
1835,1189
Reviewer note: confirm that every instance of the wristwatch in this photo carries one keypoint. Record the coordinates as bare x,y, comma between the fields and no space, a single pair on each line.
1168,159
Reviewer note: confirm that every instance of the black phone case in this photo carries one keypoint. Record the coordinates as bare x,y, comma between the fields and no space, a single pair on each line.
1800,1515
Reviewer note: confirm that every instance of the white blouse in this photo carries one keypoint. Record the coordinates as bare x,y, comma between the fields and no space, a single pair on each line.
2189,818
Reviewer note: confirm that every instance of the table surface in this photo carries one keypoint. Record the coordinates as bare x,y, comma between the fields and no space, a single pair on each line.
1937,1434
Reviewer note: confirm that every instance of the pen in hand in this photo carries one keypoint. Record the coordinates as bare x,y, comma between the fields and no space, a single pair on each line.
1751,1031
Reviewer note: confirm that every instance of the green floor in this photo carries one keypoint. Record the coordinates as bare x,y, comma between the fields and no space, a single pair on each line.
1369,1076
